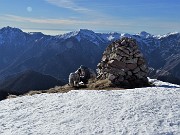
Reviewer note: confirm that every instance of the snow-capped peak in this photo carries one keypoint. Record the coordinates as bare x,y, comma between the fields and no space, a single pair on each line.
68,35
110,36
10,35
166,35
86,32
90,35
144,34
83,34
6,30
126,35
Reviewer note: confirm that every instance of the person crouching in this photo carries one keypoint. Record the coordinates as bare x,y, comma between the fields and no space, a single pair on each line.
86,74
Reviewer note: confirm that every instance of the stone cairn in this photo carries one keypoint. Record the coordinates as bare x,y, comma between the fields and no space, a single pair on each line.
123,64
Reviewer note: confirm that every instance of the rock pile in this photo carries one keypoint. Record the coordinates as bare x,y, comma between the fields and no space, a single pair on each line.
123,64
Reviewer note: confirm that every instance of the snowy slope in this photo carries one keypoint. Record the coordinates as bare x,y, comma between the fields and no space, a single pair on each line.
142,111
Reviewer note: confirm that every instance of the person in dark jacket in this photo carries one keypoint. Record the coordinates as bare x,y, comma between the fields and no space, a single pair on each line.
85,74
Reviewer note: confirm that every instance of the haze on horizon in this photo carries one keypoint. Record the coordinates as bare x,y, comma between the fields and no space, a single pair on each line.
59,16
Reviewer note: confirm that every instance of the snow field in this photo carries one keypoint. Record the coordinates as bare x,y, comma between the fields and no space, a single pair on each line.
142,111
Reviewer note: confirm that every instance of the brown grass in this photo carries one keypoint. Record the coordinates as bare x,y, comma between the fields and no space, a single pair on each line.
92,85
99,84
11,96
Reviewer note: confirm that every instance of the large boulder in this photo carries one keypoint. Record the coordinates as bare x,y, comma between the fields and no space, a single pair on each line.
123,64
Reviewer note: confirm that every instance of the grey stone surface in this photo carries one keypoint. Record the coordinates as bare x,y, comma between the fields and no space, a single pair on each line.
123,64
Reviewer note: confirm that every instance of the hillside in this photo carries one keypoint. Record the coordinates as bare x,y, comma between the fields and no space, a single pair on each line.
29,80
153,110
3,94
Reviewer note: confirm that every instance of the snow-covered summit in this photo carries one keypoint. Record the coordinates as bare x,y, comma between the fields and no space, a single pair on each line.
166,35
141,111
114,36
6,30
144,34
8,34
110,36
83,34
86,32
89,34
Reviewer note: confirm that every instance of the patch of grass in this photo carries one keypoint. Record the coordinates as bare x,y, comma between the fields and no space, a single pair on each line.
58,89
34,92
92,85
11,96
100,85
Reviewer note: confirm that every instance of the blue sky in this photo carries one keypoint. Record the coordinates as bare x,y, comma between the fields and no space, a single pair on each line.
60,16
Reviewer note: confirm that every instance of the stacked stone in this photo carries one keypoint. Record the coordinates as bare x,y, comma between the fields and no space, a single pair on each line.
123,64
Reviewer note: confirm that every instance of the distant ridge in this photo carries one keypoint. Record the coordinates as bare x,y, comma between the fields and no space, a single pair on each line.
29,80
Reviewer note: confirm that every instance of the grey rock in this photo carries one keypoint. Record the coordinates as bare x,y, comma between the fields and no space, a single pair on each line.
117,71
126,51
138,55
104,58
131,66
132,60
136,70
120,78
123,42
140,61
124,64
117,64
129,73
141,74
111,77
143,68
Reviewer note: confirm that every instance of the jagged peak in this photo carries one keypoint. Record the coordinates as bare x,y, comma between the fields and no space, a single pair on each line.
126,35
10,29
80,33
75,33
86,31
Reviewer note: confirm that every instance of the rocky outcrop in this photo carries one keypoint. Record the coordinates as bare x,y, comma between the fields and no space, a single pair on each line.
123,64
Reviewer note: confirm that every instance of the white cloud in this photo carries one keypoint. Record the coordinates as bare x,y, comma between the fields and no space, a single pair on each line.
100,24
64,23
45,20
69,4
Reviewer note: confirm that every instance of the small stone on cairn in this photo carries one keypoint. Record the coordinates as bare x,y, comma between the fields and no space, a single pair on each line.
123,64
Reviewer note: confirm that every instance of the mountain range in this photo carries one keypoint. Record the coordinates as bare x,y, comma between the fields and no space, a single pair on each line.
61,54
